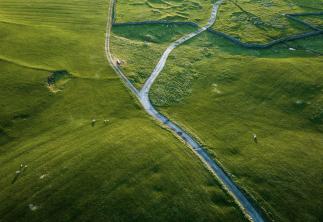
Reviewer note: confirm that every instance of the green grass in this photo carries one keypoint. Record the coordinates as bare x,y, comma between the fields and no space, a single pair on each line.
128,170
222,94
174,10
140,47
263,21
316,20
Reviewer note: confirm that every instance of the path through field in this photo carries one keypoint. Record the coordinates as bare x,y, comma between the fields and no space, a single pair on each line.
143,96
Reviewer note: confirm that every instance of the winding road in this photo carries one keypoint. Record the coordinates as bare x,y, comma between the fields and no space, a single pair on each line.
143,96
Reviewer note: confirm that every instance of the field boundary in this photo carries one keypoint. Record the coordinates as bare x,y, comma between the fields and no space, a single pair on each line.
293,16
266,45
161,22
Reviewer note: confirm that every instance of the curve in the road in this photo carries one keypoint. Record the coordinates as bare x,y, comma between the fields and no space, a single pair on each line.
143,96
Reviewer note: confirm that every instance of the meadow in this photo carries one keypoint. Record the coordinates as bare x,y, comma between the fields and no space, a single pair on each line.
256,21
140,47
316,20
73,169
224,94
170,10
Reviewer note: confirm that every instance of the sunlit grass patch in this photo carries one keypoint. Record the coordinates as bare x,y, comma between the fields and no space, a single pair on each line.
261,21
173,10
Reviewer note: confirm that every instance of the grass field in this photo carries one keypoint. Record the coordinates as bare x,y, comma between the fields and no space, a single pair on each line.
262,21
173,10
224,94
140,47
316,20
128,170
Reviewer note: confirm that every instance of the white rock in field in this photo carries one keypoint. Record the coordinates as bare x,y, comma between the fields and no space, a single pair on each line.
292,49
43,176
33,207
299,102
215,88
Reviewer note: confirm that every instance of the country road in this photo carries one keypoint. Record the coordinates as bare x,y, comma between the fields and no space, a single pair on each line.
146,88
143,96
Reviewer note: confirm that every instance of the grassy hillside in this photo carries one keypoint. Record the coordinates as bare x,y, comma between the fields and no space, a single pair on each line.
224,94
316,20
173,10
128,170
263,21
140,47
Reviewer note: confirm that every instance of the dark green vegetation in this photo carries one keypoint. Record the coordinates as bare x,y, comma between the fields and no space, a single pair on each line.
128,170
173,10
224,94
262,21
